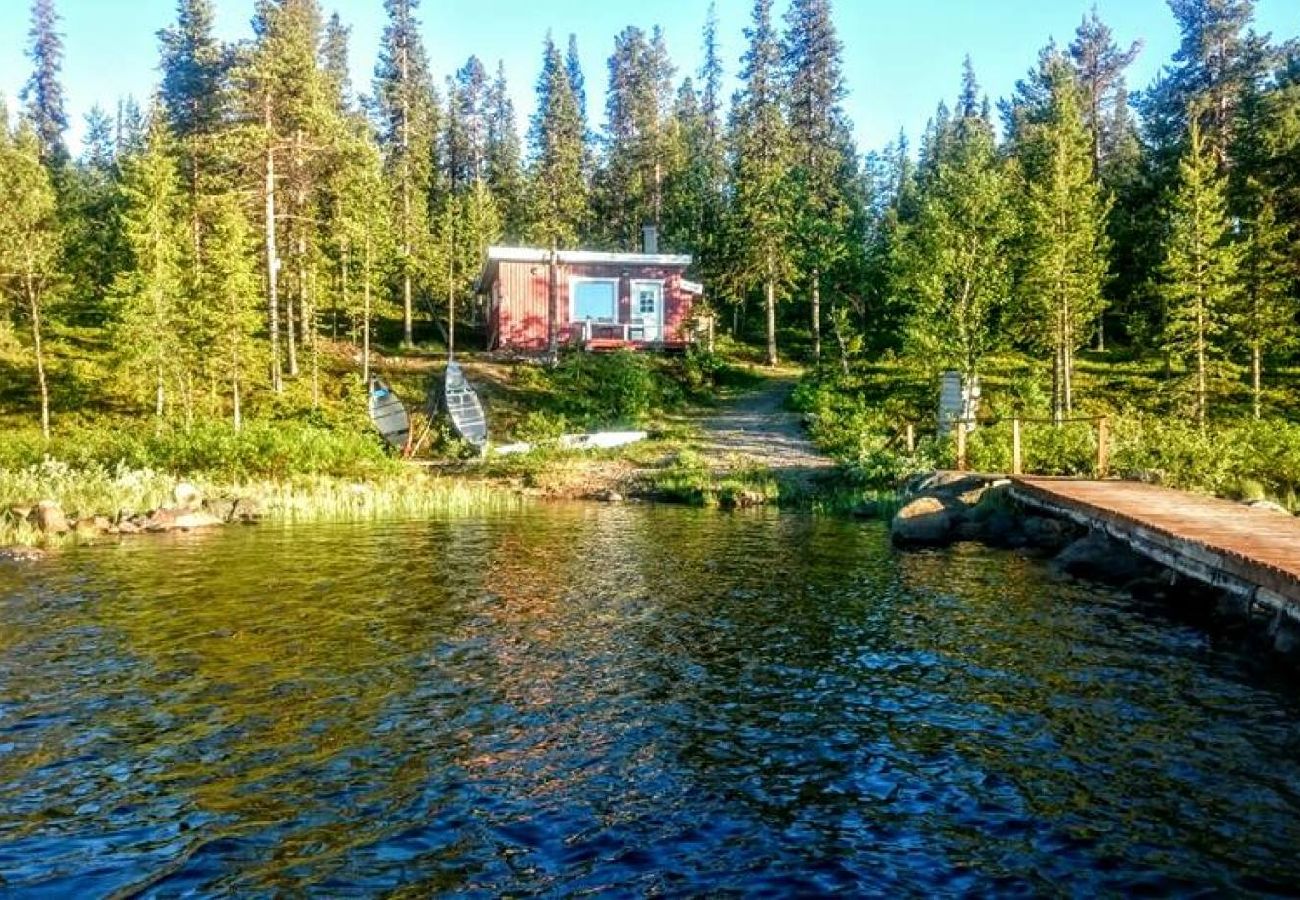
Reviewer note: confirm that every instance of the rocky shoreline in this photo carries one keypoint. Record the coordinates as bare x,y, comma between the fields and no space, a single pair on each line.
188,511
945,508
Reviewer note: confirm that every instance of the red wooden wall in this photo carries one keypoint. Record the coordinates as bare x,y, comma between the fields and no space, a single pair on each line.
519,300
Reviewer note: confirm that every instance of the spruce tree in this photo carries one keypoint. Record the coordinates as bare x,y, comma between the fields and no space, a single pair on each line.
1064,243
229,291
91,227
152,325
634,168
822,148
45,105
30,244
1266,319
557,191
406,111
1200,268
762,216
194,67
504,155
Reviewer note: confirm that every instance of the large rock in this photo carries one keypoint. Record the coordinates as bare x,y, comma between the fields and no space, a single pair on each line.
198,519
925,522
1047,534
247,511
48,517
187,496
223,508
1098,558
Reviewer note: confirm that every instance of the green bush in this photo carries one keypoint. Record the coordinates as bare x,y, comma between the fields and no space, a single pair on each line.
601,390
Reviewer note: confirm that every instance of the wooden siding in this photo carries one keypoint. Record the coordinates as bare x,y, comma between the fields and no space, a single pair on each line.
520,300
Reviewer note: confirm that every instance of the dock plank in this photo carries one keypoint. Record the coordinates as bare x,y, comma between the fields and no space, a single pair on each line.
1255,545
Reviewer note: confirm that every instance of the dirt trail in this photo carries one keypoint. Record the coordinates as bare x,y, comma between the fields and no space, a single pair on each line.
756,428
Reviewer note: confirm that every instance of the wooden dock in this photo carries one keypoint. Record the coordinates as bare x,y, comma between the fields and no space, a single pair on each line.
1251,553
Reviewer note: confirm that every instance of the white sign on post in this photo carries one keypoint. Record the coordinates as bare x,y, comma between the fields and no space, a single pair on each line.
957,402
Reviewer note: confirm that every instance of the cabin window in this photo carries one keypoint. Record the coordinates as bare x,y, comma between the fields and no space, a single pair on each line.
594,299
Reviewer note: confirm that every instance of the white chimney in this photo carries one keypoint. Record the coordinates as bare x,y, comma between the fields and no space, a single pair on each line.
650,239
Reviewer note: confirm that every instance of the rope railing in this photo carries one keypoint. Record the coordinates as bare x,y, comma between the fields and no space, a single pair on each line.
1100,423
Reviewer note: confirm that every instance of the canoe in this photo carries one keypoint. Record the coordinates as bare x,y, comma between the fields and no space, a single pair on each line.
464,407
389,414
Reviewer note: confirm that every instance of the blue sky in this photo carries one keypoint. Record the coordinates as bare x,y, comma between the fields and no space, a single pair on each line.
900,57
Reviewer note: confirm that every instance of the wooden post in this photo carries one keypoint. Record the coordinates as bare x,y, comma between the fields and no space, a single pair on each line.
911,439
961,446
1103,447
1017,462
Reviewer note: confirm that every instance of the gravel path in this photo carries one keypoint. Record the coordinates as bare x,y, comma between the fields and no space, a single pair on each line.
757,429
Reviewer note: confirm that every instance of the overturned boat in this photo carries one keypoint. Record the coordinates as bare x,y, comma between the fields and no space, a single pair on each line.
464,407
389,415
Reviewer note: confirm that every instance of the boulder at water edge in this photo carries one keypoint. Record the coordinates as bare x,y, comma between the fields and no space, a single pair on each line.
925,522
48,517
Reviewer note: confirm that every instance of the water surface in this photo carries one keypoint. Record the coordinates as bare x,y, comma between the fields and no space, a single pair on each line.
624,700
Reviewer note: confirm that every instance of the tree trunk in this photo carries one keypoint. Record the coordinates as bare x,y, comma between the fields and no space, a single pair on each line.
553,304
1202,389
1257,379
237,410
272,259
365,317
839,339
34,308
451,292
770,302
816,317
291,344
408,312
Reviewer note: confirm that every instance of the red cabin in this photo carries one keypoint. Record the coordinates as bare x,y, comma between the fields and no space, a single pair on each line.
600,301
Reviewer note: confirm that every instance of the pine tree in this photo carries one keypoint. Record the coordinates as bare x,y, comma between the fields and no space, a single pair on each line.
30,243
406,109
557,191
954,263
45,105
822,149
504,166
762,217
151,322
1219,56
1200,267
1064,242
1100,64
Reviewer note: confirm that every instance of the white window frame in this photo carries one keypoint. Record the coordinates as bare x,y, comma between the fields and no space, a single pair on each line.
576,280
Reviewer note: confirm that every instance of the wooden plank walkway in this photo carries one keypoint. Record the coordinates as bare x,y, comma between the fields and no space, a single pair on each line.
1250,552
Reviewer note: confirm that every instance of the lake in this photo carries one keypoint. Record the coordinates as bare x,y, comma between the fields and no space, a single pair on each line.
626,700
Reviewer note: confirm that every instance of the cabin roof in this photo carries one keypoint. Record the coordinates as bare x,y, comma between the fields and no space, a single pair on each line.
498,255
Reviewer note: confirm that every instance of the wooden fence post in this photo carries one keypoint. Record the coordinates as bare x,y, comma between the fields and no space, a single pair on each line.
961,446
1017,462
911,439
1103,447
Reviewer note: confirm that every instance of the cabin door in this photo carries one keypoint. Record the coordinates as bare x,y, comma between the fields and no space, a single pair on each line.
648,310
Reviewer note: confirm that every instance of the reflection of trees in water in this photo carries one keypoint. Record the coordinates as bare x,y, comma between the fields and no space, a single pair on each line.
517,699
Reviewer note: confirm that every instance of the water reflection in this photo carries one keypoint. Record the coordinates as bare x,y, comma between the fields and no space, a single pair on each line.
627,699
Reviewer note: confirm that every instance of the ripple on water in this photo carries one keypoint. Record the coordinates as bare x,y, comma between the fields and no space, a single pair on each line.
624,700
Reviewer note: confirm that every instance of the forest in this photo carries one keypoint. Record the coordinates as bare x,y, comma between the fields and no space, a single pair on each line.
214,251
